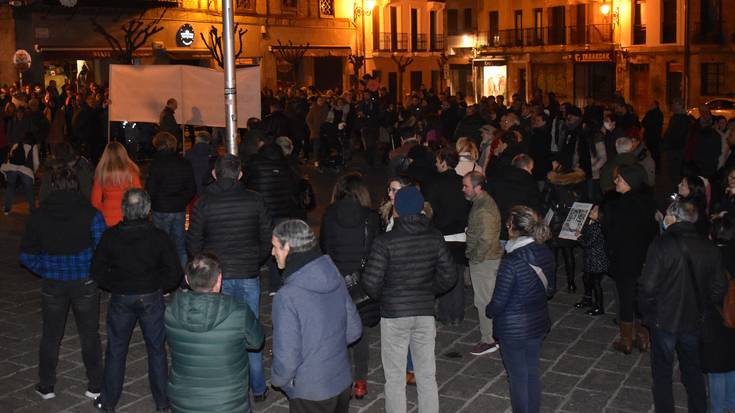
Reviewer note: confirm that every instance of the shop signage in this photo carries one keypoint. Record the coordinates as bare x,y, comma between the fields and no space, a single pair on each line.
591,57
22,60
185,36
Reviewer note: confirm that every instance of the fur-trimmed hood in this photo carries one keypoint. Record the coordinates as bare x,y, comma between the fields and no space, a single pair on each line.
566,178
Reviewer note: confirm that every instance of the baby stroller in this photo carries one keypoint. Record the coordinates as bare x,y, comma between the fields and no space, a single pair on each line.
330,151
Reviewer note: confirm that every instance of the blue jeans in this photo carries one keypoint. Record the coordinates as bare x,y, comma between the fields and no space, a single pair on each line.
521,360
172,223
722,392
663,345
124,311
13,178
247,290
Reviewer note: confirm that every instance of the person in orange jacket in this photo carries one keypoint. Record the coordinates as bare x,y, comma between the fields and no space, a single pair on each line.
115,174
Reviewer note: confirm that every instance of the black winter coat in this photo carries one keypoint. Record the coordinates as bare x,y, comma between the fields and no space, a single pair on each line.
511,186
235,224
342,237
171,182
450,209
718,354
277,124
630,227
134,257
540,152
667,297
269,174
408,267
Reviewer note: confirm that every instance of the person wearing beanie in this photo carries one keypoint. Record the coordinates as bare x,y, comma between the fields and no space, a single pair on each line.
314,320
405,271
630,226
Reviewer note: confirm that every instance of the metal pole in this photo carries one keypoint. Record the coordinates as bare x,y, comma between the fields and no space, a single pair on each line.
228,37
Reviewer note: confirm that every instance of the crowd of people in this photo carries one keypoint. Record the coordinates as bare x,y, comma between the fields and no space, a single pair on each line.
481,196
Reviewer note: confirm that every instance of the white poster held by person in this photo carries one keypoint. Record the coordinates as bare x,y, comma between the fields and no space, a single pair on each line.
572,227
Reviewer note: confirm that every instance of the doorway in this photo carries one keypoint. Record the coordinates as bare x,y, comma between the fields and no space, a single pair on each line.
328,72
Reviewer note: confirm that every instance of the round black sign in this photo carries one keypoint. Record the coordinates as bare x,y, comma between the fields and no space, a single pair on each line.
185,36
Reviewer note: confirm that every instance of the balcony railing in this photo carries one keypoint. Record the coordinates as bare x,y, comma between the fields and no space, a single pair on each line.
547,36
393,42
639,34
418,42
708,33
436,42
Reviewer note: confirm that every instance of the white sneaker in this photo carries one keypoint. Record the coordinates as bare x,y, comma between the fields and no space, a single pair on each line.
92,395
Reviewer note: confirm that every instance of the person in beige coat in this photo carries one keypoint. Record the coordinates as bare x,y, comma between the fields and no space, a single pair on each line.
484,252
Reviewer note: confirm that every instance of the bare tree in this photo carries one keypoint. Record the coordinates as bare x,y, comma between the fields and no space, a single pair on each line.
136,33
402,65
293,54
215,43
357,63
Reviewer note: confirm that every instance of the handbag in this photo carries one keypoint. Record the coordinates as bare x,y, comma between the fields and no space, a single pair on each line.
352,280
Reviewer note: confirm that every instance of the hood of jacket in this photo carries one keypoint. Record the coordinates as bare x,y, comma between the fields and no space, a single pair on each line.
134,230
566,178
412,224
350,213
272,152
318,274
62,205
201,312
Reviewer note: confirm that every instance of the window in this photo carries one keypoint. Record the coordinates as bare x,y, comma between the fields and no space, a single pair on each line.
452,22
326,8
713,79
639,29
468,26
493,32
245,5
518,28
668,21
289,4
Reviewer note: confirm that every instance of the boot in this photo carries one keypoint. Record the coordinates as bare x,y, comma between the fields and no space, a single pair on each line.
625,343
585,302
598,306
643,340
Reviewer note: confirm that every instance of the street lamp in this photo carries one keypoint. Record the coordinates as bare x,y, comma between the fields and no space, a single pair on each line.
609,12
366,9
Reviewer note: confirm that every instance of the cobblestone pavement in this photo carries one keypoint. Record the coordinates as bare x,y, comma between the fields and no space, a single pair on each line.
580,372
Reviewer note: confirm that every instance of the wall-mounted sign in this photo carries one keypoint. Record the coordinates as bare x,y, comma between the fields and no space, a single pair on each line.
185,36
588,57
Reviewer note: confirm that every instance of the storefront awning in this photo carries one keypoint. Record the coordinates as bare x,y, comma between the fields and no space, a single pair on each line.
315,50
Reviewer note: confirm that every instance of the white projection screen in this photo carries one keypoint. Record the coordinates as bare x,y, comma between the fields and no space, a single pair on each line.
139,93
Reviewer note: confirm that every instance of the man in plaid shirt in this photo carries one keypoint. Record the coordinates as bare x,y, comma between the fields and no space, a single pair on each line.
58,245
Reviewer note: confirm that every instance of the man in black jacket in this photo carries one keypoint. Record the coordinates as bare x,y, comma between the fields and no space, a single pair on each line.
235,224
136,262
171,185
683,283
674,141
514,185
444,194
269,174
276,123
407,268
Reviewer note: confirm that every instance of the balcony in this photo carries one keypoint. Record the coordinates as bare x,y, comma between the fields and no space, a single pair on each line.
639,34
708,33
393,42
547,36
436,42
418,42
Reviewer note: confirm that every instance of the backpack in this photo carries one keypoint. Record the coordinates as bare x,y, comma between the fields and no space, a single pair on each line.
18,156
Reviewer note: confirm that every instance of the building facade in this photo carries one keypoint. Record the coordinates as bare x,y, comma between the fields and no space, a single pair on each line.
322,31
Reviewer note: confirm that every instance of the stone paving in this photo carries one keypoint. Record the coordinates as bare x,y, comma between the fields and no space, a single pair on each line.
580,372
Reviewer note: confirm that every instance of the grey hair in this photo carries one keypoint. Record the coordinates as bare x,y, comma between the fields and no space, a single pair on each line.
136,204
624,145
286,145
476,178
683,211
526,222
297,234
202,271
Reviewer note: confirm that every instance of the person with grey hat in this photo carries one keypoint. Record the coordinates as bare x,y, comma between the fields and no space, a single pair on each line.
630,226
314,320
406,269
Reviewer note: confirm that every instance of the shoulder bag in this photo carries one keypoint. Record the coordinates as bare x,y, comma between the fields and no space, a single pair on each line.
352,280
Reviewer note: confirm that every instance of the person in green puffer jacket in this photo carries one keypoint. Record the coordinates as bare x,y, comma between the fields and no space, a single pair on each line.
209,334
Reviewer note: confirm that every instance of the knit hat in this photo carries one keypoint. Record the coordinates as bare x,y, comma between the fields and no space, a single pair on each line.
634,175
409,201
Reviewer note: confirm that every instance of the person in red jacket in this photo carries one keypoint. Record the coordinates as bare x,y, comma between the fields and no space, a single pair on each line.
115,174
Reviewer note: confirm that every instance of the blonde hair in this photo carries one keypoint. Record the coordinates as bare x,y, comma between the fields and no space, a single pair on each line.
524,221
115,167
465,145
